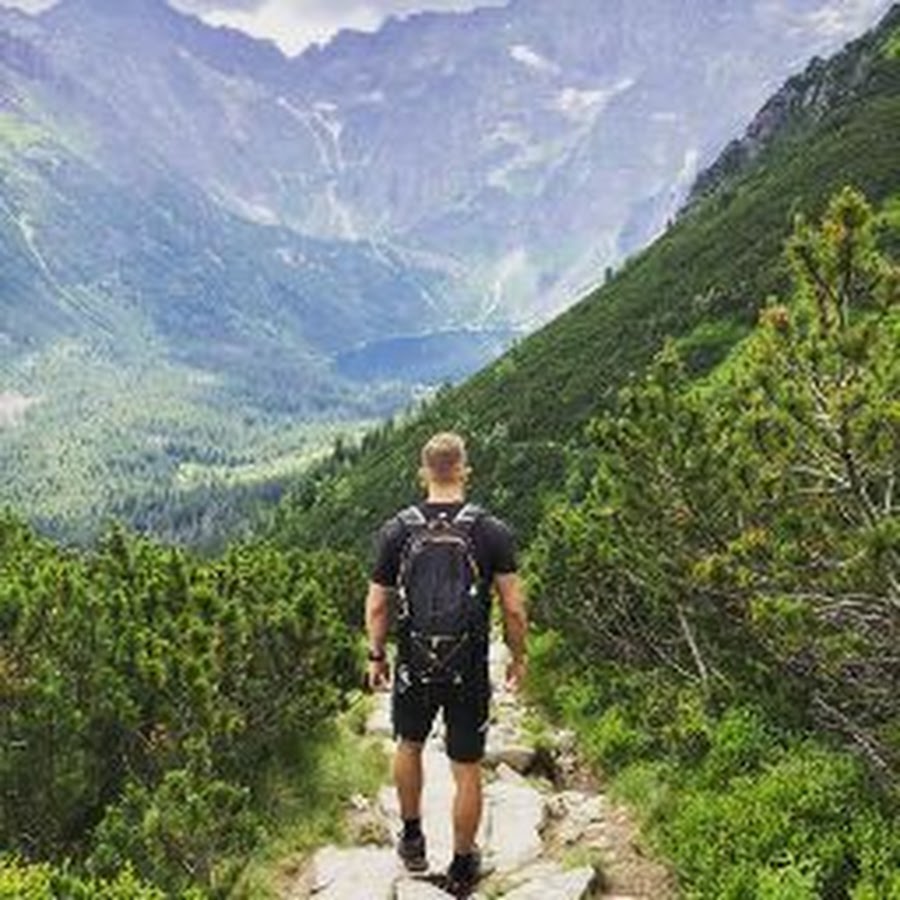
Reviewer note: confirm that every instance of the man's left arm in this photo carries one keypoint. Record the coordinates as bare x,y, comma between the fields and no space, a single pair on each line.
515,625
512,601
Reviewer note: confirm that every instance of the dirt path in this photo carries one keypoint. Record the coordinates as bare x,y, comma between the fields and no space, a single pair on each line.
548,832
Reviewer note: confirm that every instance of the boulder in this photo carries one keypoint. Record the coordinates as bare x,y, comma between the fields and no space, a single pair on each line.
411,889
352,873
576,884
514,816
517,757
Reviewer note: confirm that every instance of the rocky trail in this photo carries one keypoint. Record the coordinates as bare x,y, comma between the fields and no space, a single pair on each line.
548,832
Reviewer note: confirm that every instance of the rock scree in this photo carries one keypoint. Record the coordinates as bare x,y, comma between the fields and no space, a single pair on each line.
545,835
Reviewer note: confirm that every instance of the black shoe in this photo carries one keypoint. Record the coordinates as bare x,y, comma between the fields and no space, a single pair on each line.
412,852
463,874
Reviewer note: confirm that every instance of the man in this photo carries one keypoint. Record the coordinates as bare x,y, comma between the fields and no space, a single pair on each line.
438,672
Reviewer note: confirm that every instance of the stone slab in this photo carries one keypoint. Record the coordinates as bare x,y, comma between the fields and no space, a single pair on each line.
511,827
410,889
575,884
355,872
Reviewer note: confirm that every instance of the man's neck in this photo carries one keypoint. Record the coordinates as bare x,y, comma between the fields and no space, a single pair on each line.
445,494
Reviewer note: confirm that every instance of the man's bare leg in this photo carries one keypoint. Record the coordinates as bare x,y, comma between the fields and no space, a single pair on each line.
408,778
466,806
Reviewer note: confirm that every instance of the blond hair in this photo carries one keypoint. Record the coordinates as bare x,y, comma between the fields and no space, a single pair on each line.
444,459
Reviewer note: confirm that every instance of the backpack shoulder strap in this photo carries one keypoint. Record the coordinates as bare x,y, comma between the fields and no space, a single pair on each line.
412,517
413,523
469,515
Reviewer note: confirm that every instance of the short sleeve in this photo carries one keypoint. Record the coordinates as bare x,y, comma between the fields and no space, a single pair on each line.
502,547
388,545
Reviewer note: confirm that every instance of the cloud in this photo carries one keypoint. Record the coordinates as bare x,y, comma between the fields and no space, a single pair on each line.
829,20
295,24
31,6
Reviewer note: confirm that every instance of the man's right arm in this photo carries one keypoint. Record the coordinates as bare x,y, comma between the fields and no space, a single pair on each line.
376,631
515,624
384,576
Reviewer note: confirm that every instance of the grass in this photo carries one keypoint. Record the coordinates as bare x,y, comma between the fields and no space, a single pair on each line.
580,857
537,731
306,801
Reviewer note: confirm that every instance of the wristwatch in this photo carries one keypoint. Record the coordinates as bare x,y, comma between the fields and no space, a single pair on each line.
377,655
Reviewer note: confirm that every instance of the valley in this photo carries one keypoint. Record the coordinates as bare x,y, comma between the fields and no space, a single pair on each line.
314,242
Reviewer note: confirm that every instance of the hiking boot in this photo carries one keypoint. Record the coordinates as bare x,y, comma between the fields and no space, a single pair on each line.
412,852
463,874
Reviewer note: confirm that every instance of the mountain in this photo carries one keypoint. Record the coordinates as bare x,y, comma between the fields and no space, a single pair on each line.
105,241
564,136
702,283
201,238
520,151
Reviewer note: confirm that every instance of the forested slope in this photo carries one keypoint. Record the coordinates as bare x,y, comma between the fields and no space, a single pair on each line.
703,283
702,460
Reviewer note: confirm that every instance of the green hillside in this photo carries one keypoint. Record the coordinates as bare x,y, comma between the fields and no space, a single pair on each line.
703,283
701,460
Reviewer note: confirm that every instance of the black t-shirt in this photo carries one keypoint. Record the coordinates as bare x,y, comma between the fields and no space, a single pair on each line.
493,545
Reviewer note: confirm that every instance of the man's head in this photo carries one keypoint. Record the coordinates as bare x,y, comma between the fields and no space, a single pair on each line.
444,461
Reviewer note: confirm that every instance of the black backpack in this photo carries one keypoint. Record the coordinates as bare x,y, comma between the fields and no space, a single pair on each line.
441,614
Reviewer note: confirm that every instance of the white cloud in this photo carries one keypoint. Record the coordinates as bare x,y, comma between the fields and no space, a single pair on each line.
31,6
294,24
293,28
831,20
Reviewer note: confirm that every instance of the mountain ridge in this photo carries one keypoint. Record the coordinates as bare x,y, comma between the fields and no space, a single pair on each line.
271,234
702,283
806,96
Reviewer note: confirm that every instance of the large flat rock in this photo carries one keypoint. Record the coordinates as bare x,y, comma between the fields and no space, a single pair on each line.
354,872
513,817
410,889
573,885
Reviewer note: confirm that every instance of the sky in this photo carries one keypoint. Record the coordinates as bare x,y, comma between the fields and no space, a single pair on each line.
294,24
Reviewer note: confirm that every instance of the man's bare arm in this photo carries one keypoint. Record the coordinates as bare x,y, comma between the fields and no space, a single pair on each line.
515,624
377,616
377,621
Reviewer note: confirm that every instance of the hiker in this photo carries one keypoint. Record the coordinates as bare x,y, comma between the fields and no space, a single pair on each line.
440,560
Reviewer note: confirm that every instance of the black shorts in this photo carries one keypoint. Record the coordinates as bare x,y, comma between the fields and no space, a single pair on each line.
466,713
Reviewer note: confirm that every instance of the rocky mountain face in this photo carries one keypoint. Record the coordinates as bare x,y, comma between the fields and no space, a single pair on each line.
104,240
541,142
804,100
270,218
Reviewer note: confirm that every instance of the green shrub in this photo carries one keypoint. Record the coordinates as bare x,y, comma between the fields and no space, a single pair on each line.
784,827
741,741
20,881
612,740
190,830
145,694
